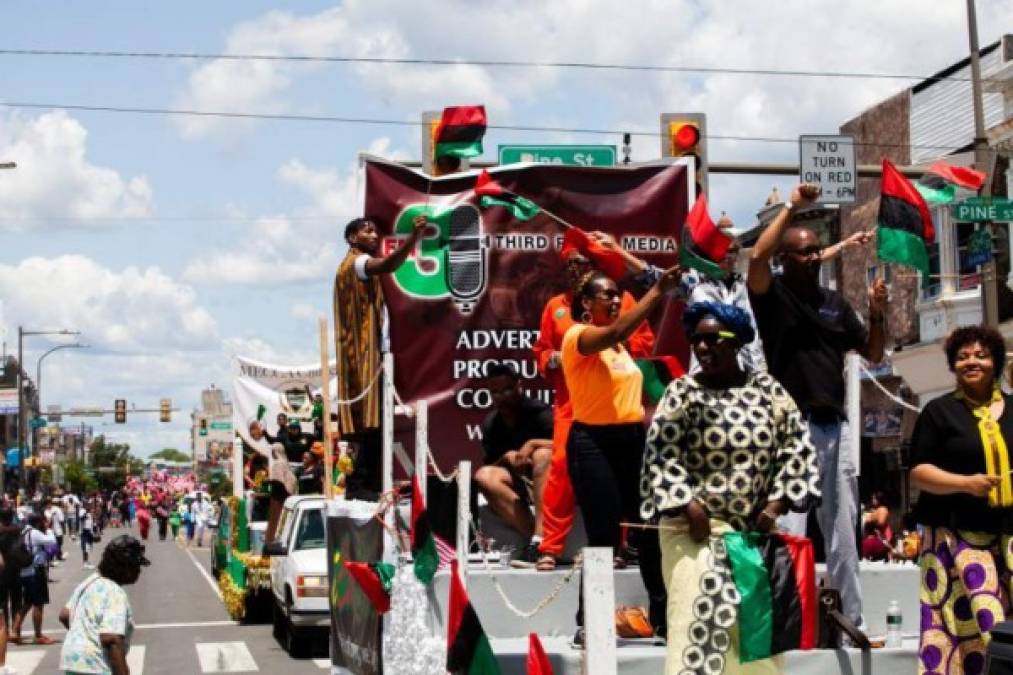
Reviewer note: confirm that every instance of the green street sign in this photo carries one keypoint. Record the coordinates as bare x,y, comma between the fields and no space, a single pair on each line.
575,155
222,426
979,209
37,423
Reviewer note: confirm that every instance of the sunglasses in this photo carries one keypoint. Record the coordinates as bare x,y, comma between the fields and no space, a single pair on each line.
711,339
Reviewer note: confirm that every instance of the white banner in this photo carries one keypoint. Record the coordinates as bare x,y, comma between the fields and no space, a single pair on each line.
9,401
279,388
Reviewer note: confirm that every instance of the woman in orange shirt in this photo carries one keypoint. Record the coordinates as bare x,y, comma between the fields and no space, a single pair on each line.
606,442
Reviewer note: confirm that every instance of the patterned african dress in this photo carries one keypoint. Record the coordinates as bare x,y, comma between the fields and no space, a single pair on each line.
966,552
732,450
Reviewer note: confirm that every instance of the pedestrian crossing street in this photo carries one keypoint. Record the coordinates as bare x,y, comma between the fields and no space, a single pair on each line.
210,657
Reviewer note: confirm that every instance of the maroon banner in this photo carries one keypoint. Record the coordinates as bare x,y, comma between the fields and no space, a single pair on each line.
472,292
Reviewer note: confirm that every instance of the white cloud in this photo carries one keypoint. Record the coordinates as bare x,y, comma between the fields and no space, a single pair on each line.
301,246
54,178
305,311
130,311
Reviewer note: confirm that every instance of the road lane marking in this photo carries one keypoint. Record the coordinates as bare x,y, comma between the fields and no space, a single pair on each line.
225,657
135,659
322,664
210,579
25,662
187,624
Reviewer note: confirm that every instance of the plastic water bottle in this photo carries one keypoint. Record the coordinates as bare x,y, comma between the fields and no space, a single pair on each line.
894,623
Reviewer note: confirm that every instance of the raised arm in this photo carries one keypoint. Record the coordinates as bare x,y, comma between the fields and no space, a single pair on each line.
376,266
597,338
759,276
875,343
859,238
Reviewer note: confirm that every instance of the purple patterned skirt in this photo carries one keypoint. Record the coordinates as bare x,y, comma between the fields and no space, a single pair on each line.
965,590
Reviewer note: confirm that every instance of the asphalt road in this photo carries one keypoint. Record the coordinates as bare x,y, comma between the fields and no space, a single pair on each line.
182,625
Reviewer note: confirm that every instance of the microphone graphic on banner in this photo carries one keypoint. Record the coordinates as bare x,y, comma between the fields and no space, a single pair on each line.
466,257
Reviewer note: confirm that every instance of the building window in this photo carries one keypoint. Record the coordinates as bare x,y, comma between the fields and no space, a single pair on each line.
934,287
969,277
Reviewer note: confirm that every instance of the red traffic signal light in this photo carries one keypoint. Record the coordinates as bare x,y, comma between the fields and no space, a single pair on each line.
684,137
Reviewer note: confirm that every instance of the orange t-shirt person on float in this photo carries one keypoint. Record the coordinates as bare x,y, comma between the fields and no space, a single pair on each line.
559,503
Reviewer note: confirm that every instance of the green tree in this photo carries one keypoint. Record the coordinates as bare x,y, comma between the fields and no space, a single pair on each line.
110,462
76,476
172,455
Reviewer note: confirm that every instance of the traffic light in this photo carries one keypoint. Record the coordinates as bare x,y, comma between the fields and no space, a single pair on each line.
685,135
120,411
165,410
203,428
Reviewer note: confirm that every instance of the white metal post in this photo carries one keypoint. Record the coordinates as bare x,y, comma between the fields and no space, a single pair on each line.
421,443
237,467
463,518
853,403
599,612
387,466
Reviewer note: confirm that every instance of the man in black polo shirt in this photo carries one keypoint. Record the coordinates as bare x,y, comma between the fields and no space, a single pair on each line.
517,449
806,331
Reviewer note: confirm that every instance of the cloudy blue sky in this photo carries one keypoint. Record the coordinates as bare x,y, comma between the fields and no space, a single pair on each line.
174,243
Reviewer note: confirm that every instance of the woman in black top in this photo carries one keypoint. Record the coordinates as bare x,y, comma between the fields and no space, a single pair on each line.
960,462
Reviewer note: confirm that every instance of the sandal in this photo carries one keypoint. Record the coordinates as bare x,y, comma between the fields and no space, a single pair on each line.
619,563
546,563
44,640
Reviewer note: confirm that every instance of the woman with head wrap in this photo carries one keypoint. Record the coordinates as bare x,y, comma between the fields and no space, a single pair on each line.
726,451
283,484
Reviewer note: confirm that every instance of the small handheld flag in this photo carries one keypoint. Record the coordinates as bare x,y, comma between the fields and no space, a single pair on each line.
460,132
704,245
905,224
424,553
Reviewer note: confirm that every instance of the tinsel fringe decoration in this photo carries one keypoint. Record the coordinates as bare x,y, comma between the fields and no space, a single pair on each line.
409,643
233,596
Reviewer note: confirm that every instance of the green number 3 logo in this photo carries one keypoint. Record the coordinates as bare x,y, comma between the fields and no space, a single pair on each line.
423,274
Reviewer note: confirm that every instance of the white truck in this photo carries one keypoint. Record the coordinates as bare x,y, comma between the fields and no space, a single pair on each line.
299,573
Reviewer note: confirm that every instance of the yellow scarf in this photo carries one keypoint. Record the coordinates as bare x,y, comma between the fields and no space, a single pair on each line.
996,455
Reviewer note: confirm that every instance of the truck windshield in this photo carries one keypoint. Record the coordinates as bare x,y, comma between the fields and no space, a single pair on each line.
311,530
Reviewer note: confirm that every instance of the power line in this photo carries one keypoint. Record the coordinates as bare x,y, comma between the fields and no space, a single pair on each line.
289,117
571,65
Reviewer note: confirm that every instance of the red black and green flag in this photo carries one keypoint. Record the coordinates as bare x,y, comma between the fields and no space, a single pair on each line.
468,648
775,575
538,660
905,225
704,245
375,580
938,186
424,553
460,132
658,371
492,194
608,261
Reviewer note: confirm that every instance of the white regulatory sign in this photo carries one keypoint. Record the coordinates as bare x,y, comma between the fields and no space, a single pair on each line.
830,162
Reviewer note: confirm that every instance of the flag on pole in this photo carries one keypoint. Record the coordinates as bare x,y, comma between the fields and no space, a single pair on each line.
658,371
444,551
468,648
704,245
609,262
375,580
538,660
424,553
905,225
775,575
492,194
938,186
460,132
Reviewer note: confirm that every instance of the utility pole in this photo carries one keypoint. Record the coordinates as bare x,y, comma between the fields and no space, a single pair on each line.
982,162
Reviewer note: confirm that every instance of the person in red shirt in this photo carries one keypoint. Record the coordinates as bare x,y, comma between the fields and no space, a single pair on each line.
558,504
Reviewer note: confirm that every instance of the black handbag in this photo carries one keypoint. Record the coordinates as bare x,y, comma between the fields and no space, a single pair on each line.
833,625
